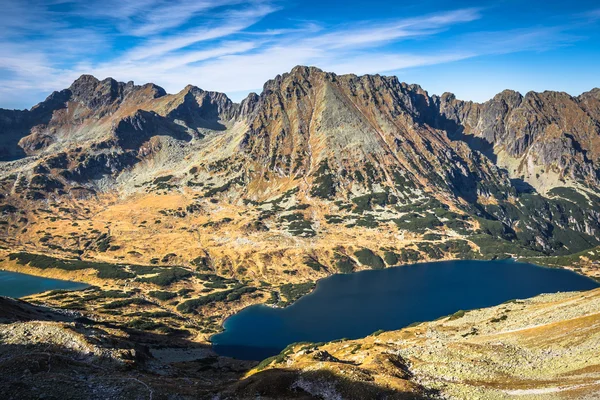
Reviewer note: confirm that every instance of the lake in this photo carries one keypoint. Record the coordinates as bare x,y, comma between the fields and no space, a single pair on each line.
356,305
14,284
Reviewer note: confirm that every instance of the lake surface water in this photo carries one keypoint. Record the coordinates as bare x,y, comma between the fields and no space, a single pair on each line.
14,284
355,305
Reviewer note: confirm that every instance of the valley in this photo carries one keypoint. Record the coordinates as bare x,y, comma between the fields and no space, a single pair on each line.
181,210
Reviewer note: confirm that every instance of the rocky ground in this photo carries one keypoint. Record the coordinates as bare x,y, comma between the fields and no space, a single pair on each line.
539,348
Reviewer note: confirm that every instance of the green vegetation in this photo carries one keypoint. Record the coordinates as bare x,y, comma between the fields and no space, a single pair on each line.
414,222
190,306
333,219
409,256
457,315
301,228
216,280
433,251
571,195
162,179
390,258
220,189
202,263
161,295
104,270
367,221
493,228
293,291
366,202
565,260
314,263
279,358
344,264
167,276
499,319
103,242
367,257
324,183
493,248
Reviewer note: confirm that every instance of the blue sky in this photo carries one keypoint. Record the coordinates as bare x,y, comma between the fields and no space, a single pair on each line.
473,49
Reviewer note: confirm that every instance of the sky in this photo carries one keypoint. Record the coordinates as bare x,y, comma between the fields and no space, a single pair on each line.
472,49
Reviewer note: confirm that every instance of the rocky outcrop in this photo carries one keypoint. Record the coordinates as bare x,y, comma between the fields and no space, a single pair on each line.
200,110
549,130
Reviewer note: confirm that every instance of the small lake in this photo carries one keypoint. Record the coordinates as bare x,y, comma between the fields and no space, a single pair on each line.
14,284
356,305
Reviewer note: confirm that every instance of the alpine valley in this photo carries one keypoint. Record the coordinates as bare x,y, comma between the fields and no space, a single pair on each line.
179,210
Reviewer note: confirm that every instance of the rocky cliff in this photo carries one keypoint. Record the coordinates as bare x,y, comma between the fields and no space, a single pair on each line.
362,150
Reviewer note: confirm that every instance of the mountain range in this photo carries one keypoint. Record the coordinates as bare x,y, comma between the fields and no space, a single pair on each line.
347,150
180,210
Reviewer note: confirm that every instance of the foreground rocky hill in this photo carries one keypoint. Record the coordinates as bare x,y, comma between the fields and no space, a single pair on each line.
539,348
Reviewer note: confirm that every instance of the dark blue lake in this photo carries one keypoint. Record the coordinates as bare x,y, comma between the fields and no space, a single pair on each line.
14,284
355,305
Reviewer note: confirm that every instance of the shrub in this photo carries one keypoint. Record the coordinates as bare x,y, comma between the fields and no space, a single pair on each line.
417,223
365,203
314,264
293,292
367,257
457,315
144,324
492,227
191,305
161,295
390,258
344,264
104,270
167,276
324,184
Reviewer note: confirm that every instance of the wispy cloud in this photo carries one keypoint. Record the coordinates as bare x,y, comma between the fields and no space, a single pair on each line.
229,24
226,45
370,33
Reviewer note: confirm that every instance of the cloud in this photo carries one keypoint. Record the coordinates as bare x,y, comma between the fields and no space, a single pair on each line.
376,33
232,23
226,45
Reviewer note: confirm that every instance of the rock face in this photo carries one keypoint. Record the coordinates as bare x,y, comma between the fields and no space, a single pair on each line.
311,123
522,168
308,118
549,130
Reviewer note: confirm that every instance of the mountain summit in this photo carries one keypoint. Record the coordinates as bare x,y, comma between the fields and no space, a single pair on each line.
315,153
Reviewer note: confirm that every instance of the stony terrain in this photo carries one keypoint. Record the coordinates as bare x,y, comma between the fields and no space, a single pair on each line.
181,209
539,348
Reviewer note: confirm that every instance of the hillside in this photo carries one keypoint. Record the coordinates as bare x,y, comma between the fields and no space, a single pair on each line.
539,348
182,209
